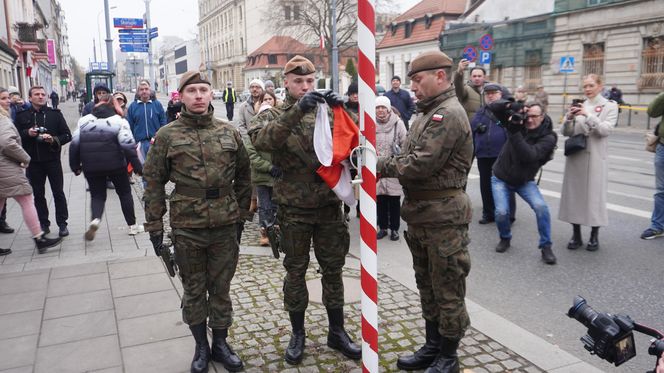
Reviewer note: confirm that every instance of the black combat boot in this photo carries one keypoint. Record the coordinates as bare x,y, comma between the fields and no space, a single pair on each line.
593,243
423,357
576,240
338,339
447,360
223,353
295,349
202,354
44,243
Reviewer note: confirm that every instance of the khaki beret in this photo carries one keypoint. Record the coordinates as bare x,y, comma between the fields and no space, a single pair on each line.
429,61
192,77
299,65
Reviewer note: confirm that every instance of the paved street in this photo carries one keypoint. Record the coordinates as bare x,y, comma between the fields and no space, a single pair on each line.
108,305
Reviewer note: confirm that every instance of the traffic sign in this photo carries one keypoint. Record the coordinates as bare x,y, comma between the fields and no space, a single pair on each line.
154,29
133,39
486,42
128,22
126,31
567,64
152,36
470,53
143,48
485,57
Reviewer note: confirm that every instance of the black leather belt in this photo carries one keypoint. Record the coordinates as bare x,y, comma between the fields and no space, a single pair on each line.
302,178
432,194
211,193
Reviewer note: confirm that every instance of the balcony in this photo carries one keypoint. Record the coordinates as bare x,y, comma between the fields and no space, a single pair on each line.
27,32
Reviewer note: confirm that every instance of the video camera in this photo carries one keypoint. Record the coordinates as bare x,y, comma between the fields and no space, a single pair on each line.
610,336
508,111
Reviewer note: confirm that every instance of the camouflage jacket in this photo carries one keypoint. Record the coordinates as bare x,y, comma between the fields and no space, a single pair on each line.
289,137
202,152
437,156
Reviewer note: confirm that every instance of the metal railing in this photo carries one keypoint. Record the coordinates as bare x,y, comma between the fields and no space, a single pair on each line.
27,32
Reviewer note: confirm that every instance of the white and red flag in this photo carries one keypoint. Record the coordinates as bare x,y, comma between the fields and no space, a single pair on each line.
333,147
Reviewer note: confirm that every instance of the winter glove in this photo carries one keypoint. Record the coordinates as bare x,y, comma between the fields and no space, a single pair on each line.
157,239
333,99
309,101
275,172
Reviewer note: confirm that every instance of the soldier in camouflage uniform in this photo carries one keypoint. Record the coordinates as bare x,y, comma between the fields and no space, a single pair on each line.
207,161
307,208
433,168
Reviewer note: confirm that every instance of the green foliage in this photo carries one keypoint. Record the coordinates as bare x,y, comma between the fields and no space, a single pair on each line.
351,70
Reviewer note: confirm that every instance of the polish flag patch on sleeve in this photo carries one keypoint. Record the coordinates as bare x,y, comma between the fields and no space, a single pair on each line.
437,118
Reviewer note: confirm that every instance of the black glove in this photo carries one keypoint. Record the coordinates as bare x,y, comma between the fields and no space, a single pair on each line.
275,172
157,239
309,101
333,99
514,127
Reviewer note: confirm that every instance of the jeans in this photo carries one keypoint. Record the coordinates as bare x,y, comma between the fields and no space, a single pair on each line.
389,211
145,147
97,183
484,166
657,220
267,210
229,110
530,193
37,173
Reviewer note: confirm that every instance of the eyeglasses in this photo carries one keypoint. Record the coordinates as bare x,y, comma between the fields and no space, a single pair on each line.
533,116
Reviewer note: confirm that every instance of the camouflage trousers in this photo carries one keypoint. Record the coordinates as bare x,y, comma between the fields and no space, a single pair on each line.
328,229
442,263
207,258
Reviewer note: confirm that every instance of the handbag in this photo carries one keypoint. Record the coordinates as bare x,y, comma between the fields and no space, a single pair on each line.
575,144
651,142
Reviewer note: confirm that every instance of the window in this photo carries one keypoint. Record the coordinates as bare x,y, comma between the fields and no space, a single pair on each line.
389,73
597,2
496,74
240,12
242,45
296,11
406,68
287,13
533,70
272,59
652,63
593,59
409,28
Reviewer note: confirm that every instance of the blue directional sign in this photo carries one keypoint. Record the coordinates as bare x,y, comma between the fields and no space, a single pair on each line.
154,29
128,23
567,64
134,48
152,36
133,39
485,57
141,31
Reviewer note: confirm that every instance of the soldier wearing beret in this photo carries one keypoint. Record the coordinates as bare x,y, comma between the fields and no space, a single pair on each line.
206,159
433,169
307,208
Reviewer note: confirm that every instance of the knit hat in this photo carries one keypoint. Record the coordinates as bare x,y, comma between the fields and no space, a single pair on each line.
258,82
384,101
269,83
352,89
396,77
100,87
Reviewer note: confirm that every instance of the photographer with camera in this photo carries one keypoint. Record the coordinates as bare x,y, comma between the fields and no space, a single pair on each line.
588,123
489,136
530,144
43,132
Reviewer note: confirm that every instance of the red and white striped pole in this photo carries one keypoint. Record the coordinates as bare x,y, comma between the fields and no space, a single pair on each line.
368,250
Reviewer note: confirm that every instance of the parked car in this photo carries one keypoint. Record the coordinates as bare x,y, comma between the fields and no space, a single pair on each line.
217,94
280,93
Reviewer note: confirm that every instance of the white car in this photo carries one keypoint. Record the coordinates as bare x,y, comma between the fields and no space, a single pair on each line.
217,94
280,93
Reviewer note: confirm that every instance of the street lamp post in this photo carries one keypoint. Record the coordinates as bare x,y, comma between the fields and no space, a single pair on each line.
109,41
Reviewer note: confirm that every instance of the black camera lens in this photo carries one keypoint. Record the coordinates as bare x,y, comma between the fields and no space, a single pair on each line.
582,312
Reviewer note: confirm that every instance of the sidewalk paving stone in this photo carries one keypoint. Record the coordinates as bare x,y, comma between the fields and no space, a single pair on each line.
31,301
20,324
146,304
75,304
80,284
141,284
18,352
152,328
78,327
170,356
81,356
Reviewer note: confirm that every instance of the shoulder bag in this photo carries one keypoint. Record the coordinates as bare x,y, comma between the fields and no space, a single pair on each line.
575,144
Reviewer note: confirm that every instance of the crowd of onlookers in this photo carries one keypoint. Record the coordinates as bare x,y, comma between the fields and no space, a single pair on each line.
114,135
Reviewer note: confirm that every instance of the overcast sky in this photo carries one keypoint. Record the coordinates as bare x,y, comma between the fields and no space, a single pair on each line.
176,18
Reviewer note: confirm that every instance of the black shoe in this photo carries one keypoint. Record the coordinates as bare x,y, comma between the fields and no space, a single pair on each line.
5,252
295,349
338,339
547,255
381,234
46,229
576,241
201,359
486,220
4,228
593,242
423,357
64,232
394,236
223,353
447,360
503,245
44,243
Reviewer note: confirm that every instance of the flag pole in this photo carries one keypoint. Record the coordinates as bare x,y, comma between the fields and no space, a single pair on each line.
368,248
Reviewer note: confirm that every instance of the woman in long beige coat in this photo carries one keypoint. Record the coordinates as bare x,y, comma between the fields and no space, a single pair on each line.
13,183
583,197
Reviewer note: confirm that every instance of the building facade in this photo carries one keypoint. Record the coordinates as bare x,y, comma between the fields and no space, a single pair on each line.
175,61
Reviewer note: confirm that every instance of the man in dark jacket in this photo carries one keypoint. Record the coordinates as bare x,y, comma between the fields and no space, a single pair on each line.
529,146
43,132
100,90
55,99
401,100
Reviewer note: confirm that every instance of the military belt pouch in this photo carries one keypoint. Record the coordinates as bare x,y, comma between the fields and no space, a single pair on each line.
575,144
302,178
212,193
432,194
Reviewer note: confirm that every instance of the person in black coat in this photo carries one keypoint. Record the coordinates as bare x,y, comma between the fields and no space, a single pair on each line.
43,132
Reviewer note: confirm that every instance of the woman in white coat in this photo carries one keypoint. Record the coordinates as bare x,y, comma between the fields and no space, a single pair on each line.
583,196
390,137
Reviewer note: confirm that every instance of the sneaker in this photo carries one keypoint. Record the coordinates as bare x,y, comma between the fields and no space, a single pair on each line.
44,243
92,230
547,255
650,234
63,231
136,229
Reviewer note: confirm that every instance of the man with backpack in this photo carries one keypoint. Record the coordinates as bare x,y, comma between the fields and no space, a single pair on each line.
530,144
